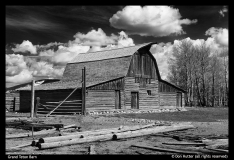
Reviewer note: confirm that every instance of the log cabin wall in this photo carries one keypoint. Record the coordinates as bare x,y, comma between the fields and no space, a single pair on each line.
47,96
102,100
167,99
102,96
168,95
9,100
146,101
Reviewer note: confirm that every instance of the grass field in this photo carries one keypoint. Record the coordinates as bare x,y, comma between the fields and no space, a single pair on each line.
192,115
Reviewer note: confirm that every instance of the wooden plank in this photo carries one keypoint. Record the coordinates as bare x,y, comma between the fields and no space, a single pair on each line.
217,150
184,143
215,142
166,149
43,132
59,113
64,110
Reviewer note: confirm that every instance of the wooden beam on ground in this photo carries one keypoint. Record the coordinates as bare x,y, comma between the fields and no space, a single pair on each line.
184,143
116,136
165,149
92,133
218,150
75,141
215,142
22,135
21,146
149,131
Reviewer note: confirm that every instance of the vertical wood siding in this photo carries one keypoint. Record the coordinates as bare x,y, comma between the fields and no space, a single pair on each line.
142,65
116,84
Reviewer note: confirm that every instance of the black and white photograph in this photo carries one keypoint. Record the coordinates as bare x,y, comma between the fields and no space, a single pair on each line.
117,80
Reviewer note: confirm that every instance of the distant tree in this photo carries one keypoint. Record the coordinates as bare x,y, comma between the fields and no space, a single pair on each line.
203,75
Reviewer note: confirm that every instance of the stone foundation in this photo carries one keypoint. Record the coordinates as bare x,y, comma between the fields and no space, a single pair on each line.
158,110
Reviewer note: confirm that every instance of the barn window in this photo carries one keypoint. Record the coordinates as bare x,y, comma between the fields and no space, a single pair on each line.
149,92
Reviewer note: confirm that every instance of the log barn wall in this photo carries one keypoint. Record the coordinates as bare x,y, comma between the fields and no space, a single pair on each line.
102,96
167,99
47,96
102,100
10,102
168,95
145,101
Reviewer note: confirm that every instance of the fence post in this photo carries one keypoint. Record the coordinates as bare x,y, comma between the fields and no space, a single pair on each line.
14,104
84,91
36,107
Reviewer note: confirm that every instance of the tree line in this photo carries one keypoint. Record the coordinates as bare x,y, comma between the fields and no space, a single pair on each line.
201,72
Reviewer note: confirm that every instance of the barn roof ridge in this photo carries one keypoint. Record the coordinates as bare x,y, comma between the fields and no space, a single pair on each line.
108,54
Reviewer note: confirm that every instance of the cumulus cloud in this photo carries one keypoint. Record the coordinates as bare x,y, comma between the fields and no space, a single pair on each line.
223,10
220,35
162,52
45,69
106,43
124,40
49,45
25,46
51,62
24,76
155,21
94,38
66,54
20,69
14,64
48,52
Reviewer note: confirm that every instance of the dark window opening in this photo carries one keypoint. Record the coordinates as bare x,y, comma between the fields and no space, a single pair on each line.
149,92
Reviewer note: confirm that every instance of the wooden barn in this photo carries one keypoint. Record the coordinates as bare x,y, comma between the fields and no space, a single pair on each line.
123,78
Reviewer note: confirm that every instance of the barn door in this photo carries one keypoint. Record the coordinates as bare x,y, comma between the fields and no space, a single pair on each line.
134,100
178,99
117,100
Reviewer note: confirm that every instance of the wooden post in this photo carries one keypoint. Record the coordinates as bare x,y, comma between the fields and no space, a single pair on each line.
83,91
14,104
32,98
37,105
82,106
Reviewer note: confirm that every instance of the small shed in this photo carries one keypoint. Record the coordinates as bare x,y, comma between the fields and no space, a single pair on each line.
123,78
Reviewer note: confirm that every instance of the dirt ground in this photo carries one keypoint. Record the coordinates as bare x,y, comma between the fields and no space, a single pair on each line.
214,127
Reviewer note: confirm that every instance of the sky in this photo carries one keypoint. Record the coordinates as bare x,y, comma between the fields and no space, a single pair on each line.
40,40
